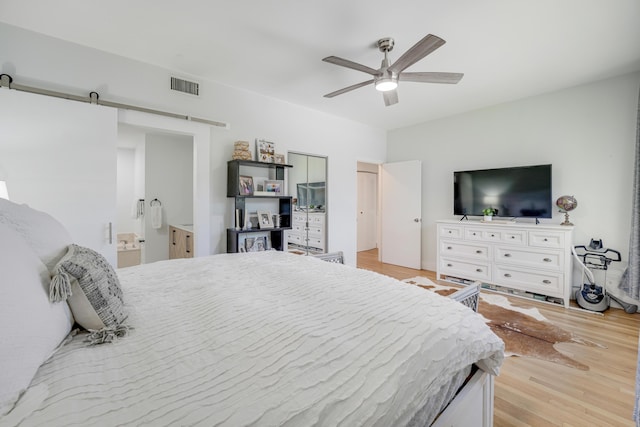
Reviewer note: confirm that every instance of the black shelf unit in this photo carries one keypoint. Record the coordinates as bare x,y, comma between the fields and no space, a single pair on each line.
278,240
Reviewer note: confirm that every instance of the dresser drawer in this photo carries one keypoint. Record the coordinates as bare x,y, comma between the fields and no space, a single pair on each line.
466,269
315,230
451,231
546,239
294,238
515,237
536,281
467,250
317,219
316,242
548,260
480,234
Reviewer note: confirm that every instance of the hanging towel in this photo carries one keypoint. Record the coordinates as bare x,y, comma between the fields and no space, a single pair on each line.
137,208
156,216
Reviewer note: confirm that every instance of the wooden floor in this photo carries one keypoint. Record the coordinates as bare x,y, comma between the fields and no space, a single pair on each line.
531,392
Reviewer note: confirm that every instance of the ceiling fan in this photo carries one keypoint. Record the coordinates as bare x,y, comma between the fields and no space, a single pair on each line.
387,76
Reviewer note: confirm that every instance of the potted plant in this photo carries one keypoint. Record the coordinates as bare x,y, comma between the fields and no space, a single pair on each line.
488,213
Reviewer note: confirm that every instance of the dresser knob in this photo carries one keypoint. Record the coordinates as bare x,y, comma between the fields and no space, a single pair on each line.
547,260
513,237
449,265
449,247
545,239
507,275
478,251
479,270
493,235
546,281
507,255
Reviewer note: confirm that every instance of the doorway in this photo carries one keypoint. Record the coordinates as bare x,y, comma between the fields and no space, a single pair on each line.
154,190
367,208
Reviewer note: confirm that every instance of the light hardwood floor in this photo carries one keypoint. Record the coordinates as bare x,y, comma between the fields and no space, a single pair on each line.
532,392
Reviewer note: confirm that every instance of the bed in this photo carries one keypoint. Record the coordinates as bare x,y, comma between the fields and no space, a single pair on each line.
263,339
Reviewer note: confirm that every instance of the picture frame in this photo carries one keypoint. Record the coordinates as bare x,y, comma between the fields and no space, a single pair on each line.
274,186
251,221
265,220
278,159
249,244
265,150
245,185
254,242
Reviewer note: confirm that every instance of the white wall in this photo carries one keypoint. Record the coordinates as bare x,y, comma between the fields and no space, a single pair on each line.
587,133
33,59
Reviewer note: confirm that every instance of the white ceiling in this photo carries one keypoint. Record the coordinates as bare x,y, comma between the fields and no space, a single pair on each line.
507,49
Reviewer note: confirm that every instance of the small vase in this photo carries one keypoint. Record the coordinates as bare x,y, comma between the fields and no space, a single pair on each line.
487,218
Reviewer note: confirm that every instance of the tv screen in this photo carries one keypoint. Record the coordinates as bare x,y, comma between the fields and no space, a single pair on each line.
311,194
514,192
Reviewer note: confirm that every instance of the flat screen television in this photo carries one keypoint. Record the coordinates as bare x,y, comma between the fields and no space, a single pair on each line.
523,191
311,194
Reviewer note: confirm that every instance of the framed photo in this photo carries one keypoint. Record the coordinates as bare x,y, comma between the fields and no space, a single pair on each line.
249,244
265,219
265,151
254,242
278,158
251,221
245,185
274,186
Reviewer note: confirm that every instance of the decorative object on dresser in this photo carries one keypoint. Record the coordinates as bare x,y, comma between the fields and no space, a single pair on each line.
265,151
250,206
532,259
566,204
489,213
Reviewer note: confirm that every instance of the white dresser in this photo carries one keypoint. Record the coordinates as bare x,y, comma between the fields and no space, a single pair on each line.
316,233
525,257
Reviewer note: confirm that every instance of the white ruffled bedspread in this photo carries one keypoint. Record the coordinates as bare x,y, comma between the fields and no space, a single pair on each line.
263,339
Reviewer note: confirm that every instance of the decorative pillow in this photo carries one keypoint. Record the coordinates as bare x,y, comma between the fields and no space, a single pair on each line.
48,237
91,287
31,327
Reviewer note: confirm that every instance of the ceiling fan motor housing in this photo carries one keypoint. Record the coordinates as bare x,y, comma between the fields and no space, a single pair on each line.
386,44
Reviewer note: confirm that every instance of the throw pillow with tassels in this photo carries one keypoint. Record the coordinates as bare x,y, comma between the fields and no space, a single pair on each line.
87,281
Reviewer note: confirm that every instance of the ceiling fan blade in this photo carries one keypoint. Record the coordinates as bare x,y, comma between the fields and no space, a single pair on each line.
390,97
418,51
350,64
348,89
451,78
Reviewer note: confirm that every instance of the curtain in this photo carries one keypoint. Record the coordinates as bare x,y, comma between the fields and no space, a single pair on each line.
630,282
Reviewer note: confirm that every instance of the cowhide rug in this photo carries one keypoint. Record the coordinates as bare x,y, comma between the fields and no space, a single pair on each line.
525,331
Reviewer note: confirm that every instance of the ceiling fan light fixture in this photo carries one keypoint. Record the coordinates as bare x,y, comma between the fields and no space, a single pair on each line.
386,84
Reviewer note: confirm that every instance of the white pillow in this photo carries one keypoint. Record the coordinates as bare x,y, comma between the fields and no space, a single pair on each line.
31,327
48,237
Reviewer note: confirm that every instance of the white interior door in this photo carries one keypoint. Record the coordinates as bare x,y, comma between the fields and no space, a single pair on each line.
367,211
60,157
401,210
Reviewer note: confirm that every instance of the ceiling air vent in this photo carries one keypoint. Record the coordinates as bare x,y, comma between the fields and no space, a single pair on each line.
185,86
